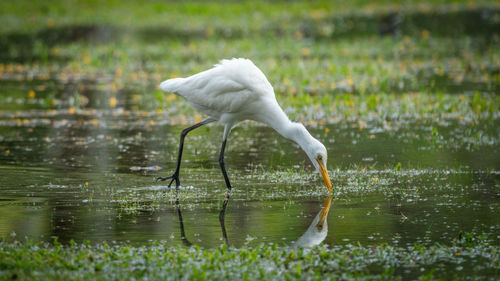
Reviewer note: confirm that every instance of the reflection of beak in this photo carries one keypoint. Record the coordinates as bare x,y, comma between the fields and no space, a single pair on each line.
324,174
324,213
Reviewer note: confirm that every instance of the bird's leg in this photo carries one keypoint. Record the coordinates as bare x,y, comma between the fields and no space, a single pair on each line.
181,224
222,165
222,216
175,175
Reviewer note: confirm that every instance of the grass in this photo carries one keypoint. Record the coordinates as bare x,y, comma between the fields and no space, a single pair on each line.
326,61
411,186
469,255
233,14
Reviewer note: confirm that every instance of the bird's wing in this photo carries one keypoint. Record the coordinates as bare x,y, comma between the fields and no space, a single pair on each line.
226,88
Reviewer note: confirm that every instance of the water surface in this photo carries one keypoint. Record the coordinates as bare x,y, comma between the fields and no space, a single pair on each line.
86,182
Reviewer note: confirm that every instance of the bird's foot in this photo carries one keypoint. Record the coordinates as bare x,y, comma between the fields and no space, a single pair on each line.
172,178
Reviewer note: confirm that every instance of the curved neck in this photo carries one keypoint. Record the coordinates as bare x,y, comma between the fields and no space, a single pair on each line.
298,133
278,120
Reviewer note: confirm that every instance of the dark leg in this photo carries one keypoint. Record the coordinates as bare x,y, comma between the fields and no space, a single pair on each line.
181,224
222,165
175,175
222,216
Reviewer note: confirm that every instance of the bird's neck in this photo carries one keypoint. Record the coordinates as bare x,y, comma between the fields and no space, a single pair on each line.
291,130
298,133
278,120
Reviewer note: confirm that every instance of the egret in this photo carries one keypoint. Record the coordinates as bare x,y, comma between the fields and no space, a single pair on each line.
318,229
233,91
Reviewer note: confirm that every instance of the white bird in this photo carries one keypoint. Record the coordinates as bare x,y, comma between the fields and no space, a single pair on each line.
318,229
233,91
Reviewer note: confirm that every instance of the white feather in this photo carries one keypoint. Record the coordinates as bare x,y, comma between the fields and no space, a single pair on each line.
227,88
236,90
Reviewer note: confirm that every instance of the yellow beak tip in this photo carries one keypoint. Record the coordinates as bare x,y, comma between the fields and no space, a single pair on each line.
326,177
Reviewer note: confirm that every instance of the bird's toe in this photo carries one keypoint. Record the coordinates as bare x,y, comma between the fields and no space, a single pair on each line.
161,179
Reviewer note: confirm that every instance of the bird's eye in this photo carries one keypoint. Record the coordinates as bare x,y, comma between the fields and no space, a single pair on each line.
320,158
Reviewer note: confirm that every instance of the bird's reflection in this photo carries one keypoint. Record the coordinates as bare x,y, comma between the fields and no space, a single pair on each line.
315,234
222,216
184,240
318,229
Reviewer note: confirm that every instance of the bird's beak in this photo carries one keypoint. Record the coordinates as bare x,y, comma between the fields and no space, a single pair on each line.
324,213
324,174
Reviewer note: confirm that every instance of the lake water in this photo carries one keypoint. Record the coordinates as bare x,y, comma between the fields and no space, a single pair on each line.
68,176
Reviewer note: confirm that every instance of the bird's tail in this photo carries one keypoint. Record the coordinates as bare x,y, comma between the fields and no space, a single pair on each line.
171,85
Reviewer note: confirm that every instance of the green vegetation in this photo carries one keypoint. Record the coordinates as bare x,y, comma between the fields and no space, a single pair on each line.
468,256
333,60
349,186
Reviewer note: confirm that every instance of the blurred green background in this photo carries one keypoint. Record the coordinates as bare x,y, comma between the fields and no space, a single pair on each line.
350,59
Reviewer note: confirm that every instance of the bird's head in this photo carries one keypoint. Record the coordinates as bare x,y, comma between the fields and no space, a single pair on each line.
314,149
317,154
